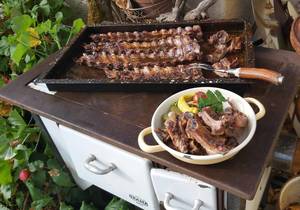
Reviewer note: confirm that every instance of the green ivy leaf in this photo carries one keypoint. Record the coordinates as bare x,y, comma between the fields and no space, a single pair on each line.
85,206
59,16
63,206
36,165
78,24
4,46
5,172
44,27
63,179
118,204
56,3
39,178
18,52
53,164
21,23
9,153
45,9
58,175
39,204
2,207
16,119
20,197
35,193
6,191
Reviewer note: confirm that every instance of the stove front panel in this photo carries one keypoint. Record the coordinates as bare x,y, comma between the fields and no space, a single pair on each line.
112,169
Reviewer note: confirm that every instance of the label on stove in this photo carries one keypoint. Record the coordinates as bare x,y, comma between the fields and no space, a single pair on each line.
139,201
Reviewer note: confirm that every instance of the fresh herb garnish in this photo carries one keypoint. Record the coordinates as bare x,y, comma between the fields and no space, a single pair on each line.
214,100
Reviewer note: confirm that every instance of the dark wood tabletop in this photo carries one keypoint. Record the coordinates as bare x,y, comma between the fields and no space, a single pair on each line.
118,117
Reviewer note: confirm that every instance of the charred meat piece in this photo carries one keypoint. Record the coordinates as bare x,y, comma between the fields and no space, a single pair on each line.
217,55
195,148
221,37
211,144
241,120
179,140
235,44
165,137
155,73
135,57
216,126
223,44
194,31
169,42
225,64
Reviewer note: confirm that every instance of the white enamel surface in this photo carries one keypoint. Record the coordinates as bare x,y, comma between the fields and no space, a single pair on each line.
238,102
130,180
54,131
184,188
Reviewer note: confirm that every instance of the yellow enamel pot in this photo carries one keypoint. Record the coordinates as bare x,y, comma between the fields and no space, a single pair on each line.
242,104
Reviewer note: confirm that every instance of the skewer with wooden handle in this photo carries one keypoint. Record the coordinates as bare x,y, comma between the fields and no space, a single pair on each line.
257,73
245,72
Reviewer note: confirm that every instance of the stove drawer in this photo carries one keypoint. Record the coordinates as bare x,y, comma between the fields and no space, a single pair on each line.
112,169
178,191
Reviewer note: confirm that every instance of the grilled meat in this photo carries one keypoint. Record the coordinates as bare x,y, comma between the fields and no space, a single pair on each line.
207,132
179,139
135,57
221,37
182,72
216,126
115,47
225,64
223,44
194,31
235,44
211,144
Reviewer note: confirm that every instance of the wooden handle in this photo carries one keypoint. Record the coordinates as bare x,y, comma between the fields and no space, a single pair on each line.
261,74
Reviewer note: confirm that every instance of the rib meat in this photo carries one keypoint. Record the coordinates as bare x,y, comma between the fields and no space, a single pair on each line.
194,31
135,57
217,127
182,72
179,140
225,64
169,42
211,144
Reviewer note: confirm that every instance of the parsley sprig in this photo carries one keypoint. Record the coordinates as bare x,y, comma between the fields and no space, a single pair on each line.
214,100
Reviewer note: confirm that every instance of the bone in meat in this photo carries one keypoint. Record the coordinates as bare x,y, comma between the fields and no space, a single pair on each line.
194,31
181,72
179,140
169,42
212,144
188,52
216,126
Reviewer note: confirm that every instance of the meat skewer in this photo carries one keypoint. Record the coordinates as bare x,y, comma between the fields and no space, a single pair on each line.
138,57
176,41
155,73
193,31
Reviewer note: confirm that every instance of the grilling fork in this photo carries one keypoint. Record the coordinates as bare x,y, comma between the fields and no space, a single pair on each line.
245,72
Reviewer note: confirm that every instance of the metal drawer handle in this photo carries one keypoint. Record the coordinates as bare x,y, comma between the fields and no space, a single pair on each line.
169,197
95,169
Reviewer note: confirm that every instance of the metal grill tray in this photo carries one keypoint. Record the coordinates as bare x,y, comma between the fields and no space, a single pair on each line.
91,79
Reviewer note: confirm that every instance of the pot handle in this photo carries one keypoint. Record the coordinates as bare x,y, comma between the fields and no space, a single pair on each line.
145,147
261,109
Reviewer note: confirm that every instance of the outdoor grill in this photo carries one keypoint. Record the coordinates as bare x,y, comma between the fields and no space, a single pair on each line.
96,132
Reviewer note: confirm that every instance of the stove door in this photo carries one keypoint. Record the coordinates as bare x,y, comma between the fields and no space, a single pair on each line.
117,171
180,192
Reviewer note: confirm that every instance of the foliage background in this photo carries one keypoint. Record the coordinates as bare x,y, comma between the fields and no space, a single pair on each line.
31,177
